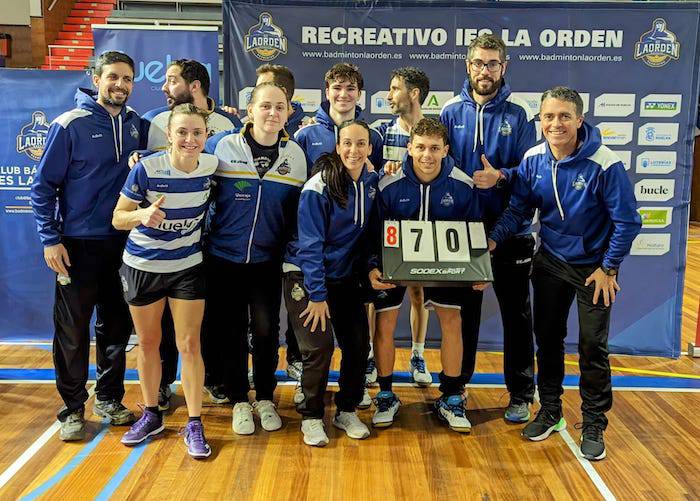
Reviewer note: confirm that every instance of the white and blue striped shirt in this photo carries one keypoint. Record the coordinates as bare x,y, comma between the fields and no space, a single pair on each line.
395,141
175,245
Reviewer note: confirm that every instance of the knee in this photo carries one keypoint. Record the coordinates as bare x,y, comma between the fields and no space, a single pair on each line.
149,343
189,345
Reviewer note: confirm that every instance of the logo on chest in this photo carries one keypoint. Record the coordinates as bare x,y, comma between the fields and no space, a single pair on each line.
505,129
447,200
284,168
579,183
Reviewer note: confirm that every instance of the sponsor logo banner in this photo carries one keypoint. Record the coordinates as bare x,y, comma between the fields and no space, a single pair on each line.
655,217
654,190
614,105
656,162
651,244
616,133
660,105
657,134
532,99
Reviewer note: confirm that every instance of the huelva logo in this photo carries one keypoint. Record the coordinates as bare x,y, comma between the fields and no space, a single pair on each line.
154,71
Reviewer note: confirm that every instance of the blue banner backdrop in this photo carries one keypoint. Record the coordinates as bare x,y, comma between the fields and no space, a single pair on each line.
153,48
33,98
635,65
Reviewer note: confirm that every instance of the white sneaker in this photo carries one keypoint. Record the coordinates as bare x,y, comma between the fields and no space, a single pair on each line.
387,407
418,370
354,428
371,372
451,410
298,394
269,419
314,432
242,420
366,400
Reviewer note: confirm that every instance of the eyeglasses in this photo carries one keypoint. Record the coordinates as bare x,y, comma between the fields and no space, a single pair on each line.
492,66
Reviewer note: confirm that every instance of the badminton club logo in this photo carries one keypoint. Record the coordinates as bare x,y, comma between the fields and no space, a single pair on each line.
265,40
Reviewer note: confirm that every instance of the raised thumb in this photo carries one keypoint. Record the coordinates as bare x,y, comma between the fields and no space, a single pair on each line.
485,162
160,201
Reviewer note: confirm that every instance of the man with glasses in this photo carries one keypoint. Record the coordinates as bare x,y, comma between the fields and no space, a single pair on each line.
486,124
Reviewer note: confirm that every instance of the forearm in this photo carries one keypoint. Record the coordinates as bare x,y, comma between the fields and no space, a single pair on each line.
126,219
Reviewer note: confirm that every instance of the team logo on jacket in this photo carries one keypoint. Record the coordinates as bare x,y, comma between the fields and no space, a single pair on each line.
297,292
505,129
371,192
242,185
284,168
134,132
657,46
265,40
447,200
32,136
579,183
135,188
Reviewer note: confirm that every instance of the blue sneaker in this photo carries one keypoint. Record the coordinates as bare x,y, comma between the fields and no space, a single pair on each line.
149,424
387,407
196,442
451,410
517,412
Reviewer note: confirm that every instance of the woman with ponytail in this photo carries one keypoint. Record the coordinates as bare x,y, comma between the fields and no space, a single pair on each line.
321,286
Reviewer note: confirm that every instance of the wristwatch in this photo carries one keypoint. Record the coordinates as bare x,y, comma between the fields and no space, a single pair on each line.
611,272
502,181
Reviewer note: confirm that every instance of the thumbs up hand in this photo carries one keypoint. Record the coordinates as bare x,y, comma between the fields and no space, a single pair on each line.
488,177
152,216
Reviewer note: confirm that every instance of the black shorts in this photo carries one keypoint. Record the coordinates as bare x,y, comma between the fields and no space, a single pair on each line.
444,297
144,287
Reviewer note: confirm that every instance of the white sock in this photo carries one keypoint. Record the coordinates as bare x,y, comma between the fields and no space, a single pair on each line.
419,347
371,351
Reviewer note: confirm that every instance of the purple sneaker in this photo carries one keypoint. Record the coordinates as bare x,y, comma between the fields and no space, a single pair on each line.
196,443
149,424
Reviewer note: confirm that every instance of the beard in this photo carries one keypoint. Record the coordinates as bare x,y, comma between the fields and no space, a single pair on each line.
107,98
492,88
184,98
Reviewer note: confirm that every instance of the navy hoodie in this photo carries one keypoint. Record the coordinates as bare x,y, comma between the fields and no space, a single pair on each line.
84,167
503,129
588,212
319,138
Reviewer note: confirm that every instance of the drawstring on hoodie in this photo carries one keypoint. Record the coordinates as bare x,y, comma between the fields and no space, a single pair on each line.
424,211
359,214
555,165
479,126
118,142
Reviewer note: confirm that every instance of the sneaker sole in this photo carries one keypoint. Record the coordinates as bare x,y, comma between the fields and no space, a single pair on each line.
74,437
340,426
459,429
382,424
153,433
243,432
561,424
116,422
422,384
195,455
517,420
363,407
593,458
315,444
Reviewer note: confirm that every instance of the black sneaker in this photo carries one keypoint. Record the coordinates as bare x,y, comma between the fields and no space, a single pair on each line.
114,411
592,444
216,394
164,394
543,425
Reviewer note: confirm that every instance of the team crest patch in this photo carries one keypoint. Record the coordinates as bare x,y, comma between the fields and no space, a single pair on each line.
657,46
371,192
284,168
134,132
32,136
297,292
579,183
447,200
505,129
265,40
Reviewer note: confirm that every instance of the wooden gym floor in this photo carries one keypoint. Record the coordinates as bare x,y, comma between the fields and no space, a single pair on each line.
653,442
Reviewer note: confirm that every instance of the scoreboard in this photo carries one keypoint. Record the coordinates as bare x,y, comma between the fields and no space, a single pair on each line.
435,253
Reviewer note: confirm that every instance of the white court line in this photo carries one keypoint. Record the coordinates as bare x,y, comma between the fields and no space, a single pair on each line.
28,454
588,467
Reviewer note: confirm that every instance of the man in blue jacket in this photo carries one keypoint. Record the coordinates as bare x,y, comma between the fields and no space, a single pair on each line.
588,220
428,188
83,168
344,85
485,120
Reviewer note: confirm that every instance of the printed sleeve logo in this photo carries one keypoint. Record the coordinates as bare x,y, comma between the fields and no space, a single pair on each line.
657,46
265,40
32,136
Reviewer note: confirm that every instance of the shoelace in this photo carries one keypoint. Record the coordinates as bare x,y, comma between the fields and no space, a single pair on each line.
544,416
383,404
145,420
316,426
418,363
590,431
456,409
195,433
